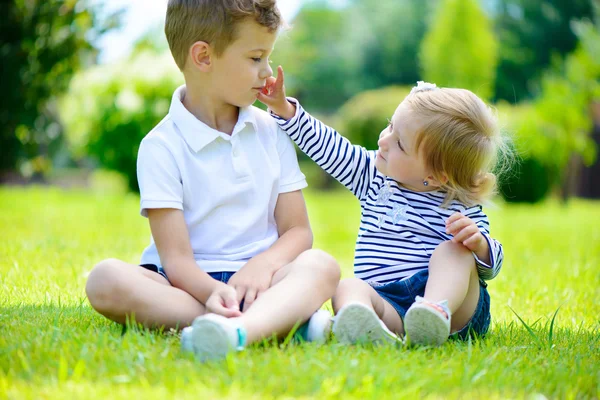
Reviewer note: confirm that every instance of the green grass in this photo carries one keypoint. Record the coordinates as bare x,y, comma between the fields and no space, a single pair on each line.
53,345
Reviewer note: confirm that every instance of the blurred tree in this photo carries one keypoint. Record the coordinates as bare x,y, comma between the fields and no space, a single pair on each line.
313,55
531,178
568,91
110,108
460,49
331,54
42,44
387,35
554,132
530,32
154,41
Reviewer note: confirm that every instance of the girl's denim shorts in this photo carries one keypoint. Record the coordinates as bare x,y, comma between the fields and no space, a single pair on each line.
401,295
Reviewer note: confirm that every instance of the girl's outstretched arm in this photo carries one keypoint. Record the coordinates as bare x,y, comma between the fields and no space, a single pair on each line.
353,166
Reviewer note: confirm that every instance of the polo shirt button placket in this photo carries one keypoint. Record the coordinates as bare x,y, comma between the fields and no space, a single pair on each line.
239,166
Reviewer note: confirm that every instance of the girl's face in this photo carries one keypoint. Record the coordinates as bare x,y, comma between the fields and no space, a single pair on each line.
397,156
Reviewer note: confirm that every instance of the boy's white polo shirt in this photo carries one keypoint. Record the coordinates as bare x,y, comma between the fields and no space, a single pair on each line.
227,186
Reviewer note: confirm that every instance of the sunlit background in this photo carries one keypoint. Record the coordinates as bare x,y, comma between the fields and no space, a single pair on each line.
84,81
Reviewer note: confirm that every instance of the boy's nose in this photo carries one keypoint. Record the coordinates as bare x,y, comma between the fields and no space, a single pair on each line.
267,72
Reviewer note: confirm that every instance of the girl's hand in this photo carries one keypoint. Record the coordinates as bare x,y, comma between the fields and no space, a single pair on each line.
273,95
466,232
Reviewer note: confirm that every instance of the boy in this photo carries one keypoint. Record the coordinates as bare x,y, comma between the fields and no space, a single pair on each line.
221,187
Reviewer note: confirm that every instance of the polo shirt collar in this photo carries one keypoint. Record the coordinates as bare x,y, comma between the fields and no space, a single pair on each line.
195,132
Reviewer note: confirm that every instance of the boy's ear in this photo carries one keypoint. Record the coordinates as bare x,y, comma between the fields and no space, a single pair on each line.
200,56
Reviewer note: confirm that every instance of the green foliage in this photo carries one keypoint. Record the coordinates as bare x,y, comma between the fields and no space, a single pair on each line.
364,116
568,90
43,44
386,35
110,108
556,126
332,54
366,44
529,182
530,32
460,49
531,176
316,63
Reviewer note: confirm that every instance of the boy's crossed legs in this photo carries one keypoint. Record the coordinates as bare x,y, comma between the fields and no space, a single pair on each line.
119,290
452,277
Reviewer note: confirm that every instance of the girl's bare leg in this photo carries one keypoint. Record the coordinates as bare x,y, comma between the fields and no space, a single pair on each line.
354,290
453,277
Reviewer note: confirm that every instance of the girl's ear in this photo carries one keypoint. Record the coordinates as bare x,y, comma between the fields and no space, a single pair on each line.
200,56
437,182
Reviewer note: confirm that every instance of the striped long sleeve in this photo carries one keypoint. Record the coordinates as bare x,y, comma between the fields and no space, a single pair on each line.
485,271
353,166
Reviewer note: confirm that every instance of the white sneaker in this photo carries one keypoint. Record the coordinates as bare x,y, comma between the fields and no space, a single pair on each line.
425,323
213,336
186,340
318,327
356,323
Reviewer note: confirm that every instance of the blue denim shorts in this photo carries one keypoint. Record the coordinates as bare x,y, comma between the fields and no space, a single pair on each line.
219,276
401,295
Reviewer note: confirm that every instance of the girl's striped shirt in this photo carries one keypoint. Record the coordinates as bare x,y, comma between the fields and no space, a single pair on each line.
399,228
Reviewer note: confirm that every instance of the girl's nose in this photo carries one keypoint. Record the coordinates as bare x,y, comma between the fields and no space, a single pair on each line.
381,141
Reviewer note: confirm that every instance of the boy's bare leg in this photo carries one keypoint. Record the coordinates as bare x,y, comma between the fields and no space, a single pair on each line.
119,290
354,290
297,291
453,277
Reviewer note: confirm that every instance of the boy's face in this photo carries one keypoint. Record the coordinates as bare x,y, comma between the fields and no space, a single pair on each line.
240,73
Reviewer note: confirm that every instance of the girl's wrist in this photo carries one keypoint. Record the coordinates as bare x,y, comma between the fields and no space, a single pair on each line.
483,252
286,111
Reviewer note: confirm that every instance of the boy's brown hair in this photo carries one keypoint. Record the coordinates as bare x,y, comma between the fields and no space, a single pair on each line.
214,22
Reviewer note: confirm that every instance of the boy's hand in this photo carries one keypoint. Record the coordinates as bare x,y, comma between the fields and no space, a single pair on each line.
250,281
223,301
466,232
273,95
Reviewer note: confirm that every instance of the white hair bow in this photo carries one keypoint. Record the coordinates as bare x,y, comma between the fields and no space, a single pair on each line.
423,87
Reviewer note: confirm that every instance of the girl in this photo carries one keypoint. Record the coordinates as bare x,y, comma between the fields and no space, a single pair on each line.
424,250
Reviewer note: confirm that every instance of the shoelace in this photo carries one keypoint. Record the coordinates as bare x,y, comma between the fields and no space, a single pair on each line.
242,338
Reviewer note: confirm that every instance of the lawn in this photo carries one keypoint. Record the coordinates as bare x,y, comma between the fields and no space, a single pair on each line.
53,345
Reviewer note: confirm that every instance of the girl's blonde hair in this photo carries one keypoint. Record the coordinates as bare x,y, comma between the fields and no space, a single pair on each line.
460,139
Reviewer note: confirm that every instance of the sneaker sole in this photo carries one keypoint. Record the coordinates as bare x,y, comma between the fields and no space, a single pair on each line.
424,327
209,340
356,323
